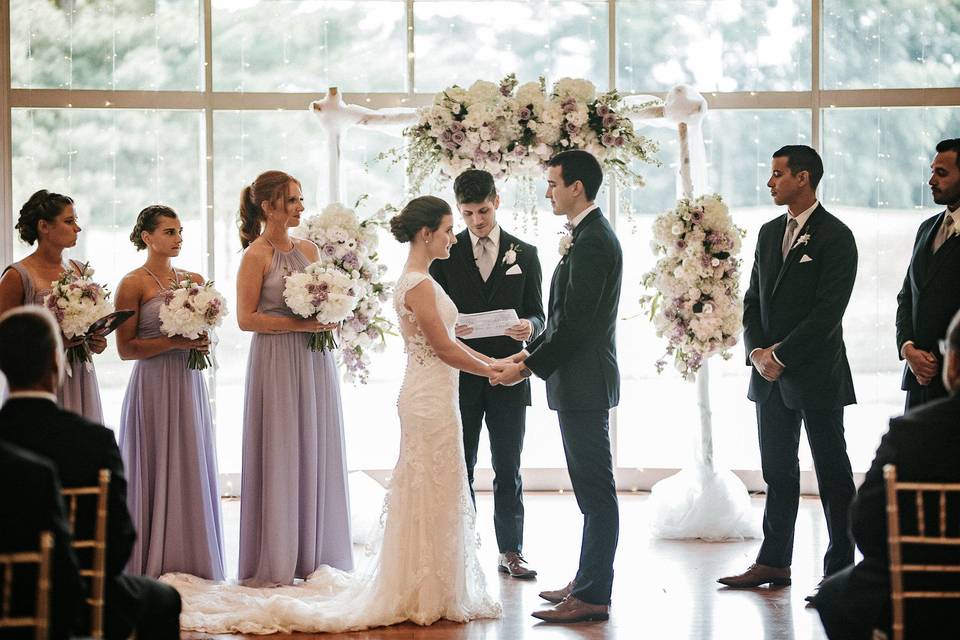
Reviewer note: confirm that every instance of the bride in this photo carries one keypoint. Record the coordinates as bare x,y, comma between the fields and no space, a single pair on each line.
426,567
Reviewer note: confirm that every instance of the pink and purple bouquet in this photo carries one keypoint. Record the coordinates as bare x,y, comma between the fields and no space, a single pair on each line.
77,302
192,310
349,245
324,293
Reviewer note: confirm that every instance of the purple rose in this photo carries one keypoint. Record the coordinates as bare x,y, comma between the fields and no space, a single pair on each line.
519,151
696,216
456,126
446,136
608,139
609,120
569,105
525,114
351,261
681,244
619,142
459,137
602,110
571,128
329,249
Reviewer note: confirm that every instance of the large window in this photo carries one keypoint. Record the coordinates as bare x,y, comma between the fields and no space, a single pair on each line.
122,103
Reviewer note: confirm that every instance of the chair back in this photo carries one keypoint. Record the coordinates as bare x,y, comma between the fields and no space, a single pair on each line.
928,536
92,551
40,621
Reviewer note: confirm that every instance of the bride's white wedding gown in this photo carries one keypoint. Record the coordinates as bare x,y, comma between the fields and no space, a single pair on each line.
426,567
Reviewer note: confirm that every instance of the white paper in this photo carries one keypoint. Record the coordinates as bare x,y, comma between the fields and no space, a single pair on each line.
489,323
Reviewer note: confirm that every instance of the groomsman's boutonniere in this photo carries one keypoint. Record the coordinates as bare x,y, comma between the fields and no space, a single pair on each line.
510,255
566,241
804,239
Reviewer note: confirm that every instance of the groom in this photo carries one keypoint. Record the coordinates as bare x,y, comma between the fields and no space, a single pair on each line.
490,269
577,356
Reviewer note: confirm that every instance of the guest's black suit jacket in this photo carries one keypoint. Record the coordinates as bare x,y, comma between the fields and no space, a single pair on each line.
929,298
924,445
800,303
460,278
30,502
79,449
577,352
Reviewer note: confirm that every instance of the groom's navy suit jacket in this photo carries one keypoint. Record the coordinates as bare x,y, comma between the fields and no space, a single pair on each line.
799,302
460,278
929,299
577,352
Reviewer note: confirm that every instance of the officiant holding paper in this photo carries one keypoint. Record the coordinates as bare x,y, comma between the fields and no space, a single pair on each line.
491,270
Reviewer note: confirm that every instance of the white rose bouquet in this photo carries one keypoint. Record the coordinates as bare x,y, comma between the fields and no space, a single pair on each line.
350,245
77,302
696,304
324,293
191,310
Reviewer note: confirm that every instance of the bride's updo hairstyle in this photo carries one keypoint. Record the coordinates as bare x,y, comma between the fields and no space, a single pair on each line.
149,220
270,186
425,211
43,205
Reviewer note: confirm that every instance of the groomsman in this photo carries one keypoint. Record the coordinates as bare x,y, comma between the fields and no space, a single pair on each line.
803,274
577,356
930,295
490,269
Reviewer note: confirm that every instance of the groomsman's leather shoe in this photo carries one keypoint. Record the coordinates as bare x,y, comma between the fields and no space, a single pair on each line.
756,575
512,562
557,596
573,610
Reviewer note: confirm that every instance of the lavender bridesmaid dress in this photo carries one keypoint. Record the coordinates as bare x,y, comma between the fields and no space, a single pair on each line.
169,453
294,507
80,392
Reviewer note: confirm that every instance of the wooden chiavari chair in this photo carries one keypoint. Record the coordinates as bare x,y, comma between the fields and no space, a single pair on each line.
40,621
96,546
896,539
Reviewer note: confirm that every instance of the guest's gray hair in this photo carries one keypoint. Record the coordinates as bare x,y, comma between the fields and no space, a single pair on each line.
30,346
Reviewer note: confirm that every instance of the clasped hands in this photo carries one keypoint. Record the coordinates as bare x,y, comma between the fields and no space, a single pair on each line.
765,364
922,363
507,371
96,342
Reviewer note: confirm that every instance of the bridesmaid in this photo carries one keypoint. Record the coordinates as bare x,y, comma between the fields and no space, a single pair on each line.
166,430
49,219
294,510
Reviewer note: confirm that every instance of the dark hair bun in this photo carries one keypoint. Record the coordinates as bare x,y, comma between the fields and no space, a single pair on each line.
425,211
399,230
42,205
148,220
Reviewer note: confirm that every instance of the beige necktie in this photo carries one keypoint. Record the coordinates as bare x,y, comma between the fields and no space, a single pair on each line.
485,257
943,233
788,237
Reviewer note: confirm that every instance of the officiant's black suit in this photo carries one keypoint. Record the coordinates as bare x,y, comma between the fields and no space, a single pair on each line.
799,302
503,407
924,445
79,449
928,300
577,356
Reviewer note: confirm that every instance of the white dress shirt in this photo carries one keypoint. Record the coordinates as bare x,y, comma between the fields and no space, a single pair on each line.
44,395
583,214
494,236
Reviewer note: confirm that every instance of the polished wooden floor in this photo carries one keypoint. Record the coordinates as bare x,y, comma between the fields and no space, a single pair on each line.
663,589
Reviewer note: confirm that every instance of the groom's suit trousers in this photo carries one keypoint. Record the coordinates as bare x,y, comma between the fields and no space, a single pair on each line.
586,444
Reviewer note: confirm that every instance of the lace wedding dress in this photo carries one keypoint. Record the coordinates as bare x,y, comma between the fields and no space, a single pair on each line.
425,565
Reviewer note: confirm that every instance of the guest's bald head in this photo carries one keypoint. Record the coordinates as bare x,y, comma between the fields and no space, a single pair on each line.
31,351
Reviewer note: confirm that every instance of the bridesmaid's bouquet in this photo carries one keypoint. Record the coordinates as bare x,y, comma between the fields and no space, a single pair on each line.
349,245
324,293
190,310
77,302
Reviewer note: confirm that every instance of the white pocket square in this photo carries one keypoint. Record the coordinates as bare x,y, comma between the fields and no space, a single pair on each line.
514,270
806,258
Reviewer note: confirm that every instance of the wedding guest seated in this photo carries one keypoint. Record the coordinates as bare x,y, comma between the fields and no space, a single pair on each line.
29,504
924,445
31,357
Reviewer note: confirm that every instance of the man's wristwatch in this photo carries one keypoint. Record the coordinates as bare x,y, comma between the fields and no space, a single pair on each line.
525,371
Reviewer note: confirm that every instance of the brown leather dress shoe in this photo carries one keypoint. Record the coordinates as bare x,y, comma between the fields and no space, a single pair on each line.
757,575
573,610
512,562
557,596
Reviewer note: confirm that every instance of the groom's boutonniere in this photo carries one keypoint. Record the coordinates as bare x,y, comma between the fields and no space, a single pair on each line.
566,242
804,239
510,255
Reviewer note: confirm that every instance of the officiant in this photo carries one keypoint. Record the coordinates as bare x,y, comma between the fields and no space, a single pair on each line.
490,269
